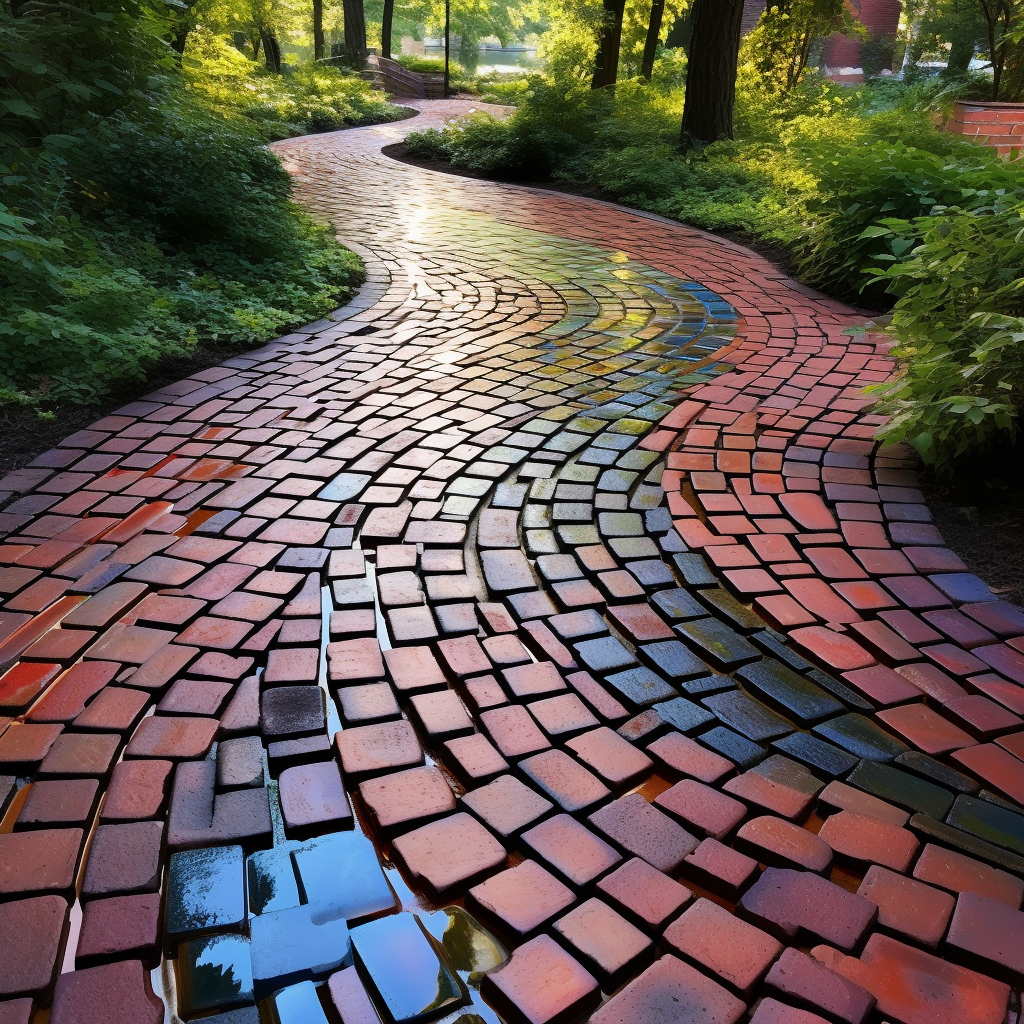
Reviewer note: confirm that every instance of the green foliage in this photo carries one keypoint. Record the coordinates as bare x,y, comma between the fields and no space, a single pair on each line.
138,219
312,98
780,45
959,324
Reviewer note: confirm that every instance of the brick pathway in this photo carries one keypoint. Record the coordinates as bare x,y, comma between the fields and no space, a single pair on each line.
540,635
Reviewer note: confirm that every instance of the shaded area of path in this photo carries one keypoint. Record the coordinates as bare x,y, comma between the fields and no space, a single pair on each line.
560,572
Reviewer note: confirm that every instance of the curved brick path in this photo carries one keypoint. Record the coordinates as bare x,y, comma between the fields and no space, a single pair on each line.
478,556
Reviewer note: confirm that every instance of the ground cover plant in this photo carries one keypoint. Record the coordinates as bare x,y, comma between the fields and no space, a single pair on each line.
141,215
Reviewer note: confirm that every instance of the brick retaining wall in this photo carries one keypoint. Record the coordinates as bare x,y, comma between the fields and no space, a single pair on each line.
999,125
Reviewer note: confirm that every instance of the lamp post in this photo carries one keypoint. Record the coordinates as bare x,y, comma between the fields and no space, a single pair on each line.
447,46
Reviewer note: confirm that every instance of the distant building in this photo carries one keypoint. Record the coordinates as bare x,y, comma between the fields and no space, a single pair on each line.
844,57
752,10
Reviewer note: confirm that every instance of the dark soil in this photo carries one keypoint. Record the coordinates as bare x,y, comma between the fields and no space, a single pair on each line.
24,435
981,515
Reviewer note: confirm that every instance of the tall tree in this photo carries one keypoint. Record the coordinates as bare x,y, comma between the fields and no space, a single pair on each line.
318,29
653,36
711,76
355,31
606,68
387,21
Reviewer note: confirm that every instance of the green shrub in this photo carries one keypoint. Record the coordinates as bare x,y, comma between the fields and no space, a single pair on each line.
881,180
959,324
311,98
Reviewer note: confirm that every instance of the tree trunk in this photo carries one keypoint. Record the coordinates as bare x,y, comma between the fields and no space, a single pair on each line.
606,70
355,30
961,52
711,78
271,50
180,38
318,29
385,28
653,35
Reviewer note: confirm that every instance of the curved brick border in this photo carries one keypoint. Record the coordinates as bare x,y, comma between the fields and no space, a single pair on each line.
453,591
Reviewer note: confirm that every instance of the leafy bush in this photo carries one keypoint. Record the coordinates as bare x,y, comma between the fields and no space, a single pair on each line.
138,218
959,324
183,232
310,98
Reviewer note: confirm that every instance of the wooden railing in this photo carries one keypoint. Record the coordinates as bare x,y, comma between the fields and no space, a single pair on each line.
400,82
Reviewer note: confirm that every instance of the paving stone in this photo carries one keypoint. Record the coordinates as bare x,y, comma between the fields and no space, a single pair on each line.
120,926
513,731
506,806
522,898
712,938
441,714
64,802
137,790
907,906
671,992
402,799
720,869
614,759
124,859
862,838
702,808
38,862
776,841
542,984
644,831
313,799
474,759
450,853
805,980
646,895
686,756
32,932
361,705
771,1011
572,850
604,942
376,749
564,780
958,873
120,991
787,902
172,738
911,985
